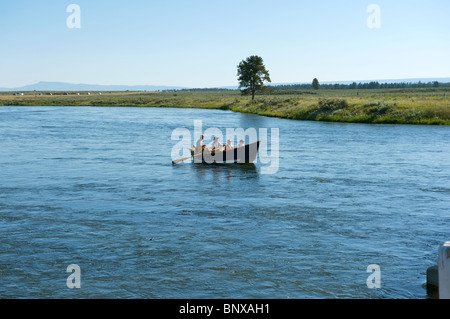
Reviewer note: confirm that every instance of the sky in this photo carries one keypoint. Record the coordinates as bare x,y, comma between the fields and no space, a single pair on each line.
199,43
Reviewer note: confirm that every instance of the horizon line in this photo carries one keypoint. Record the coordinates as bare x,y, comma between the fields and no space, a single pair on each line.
413,80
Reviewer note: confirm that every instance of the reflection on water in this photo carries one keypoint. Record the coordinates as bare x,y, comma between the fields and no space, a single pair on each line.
226,171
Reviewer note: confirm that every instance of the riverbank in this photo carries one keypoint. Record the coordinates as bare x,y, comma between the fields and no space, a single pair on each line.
395,106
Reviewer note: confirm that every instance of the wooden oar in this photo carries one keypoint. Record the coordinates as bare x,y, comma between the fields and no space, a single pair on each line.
185,158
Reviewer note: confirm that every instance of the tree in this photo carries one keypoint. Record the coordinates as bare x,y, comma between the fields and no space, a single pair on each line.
252,74
315,84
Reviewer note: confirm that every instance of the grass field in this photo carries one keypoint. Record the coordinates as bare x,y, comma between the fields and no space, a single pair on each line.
399,106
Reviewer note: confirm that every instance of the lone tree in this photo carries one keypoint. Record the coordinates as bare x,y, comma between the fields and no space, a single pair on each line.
251,75
315,84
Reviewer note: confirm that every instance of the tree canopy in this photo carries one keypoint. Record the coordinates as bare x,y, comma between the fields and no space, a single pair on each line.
361,86
252,74
315,84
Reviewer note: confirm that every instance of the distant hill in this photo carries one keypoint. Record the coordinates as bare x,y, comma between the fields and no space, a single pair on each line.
71,87
62,86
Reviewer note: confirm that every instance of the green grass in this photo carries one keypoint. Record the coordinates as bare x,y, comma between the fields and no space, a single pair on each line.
395,106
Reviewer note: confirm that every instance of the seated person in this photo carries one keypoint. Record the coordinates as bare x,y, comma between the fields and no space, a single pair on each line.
216,145
229,145
199,145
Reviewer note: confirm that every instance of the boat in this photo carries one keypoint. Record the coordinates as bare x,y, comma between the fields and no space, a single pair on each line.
243,154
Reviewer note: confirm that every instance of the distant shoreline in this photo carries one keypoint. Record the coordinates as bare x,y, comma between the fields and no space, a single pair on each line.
427,106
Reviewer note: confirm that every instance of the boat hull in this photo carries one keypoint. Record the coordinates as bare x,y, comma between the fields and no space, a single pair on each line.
244,154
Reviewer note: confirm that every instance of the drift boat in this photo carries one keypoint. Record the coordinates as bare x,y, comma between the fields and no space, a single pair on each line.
243,154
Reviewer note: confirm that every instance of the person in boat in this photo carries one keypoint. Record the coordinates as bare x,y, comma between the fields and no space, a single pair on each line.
229,145
216,145
199,146
241,143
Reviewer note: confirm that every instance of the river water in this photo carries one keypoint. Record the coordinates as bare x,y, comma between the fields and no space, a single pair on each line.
95,187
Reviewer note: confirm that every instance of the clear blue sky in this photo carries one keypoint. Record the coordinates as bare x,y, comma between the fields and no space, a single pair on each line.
198,43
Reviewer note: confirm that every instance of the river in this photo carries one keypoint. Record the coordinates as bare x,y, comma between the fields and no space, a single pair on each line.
95,187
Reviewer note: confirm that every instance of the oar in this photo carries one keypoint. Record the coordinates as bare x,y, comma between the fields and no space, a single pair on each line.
185,158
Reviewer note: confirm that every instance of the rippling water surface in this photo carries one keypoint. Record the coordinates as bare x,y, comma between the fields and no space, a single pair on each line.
95,187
